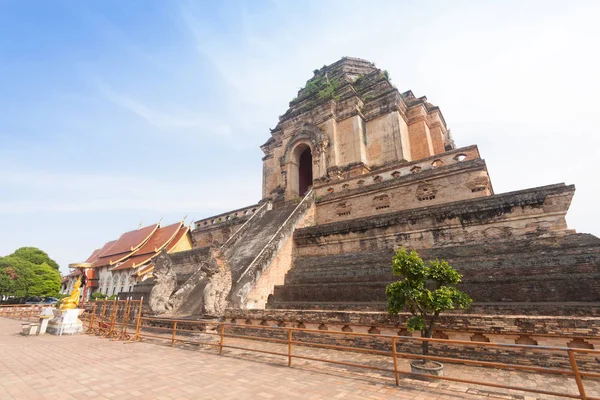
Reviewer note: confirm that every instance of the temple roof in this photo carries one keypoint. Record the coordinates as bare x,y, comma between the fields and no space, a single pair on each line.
130,241
182,232
137,247
144,270
169,235
74,273
94,256
125,246
159,239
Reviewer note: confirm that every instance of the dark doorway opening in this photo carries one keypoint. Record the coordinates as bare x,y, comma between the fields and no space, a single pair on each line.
305,175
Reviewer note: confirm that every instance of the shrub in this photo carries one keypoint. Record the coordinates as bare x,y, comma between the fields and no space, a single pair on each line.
98,296
425,291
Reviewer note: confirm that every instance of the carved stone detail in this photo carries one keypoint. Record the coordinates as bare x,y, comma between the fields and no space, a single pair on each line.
309,134
213,277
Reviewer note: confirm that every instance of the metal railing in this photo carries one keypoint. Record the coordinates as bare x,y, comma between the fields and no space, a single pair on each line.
23,311
123,320
112,318
175,333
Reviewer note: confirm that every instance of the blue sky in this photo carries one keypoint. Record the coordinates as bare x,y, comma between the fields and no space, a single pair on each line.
116,112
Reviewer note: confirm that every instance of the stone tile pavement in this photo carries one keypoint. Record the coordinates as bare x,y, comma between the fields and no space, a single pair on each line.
87,367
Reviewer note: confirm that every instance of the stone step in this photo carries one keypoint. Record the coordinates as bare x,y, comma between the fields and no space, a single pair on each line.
333,292
533,270
542,288
577,255
332,269
253,240
315,305
569,309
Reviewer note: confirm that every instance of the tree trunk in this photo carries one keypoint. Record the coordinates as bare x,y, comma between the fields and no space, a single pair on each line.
425,333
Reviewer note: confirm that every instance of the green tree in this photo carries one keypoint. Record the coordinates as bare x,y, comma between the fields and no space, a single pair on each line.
35,256
45,282
21,277
425,290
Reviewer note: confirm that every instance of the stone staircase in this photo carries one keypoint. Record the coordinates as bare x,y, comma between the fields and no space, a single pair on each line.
259,243
505,275
247,254
254,237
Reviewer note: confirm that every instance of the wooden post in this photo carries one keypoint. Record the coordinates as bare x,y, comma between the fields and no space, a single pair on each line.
138,326
124,319
91,322
222,339
113,319
103,308
290,347
575,368
124,334
174,333
395,355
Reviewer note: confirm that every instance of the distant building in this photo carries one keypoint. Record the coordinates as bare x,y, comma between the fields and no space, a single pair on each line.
120,264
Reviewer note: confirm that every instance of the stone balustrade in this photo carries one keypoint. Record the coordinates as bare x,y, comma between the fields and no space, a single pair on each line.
396,172
230,216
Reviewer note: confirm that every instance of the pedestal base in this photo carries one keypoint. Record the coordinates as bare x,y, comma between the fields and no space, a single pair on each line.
65,322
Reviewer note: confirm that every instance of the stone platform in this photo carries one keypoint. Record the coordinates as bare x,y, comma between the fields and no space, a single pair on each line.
534,275
65,322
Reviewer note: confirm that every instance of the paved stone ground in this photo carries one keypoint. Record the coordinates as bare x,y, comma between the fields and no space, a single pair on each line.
85,367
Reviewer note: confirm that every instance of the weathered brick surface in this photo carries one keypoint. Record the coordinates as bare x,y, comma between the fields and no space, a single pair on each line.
367,124
559,269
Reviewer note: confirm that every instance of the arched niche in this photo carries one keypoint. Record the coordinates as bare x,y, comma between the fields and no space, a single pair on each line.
300,170
304,160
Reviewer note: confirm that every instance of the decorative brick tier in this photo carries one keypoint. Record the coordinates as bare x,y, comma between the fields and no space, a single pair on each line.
543,270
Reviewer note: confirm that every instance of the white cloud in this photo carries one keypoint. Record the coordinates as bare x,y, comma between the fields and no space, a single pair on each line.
160,118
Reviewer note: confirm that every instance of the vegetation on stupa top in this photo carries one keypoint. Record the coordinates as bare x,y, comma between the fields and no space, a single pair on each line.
324,87
425,290
320,87
29,271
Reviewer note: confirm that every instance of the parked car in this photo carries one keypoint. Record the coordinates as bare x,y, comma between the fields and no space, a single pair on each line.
50,300
33,300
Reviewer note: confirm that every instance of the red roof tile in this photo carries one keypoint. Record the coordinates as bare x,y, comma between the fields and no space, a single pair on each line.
135,261
130,241
93,257
145,269
160,238
97,253
125,246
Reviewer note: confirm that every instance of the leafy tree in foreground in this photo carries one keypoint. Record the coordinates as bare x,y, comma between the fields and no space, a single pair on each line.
46,281
21,277
16,276
35,256
426,290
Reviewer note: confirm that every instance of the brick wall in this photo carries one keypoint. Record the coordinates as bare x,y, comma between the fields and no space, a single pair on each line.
573,332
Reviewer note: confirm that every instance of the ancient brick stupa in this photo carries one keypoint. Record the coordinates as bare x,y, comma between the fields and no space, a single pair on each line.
353,170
